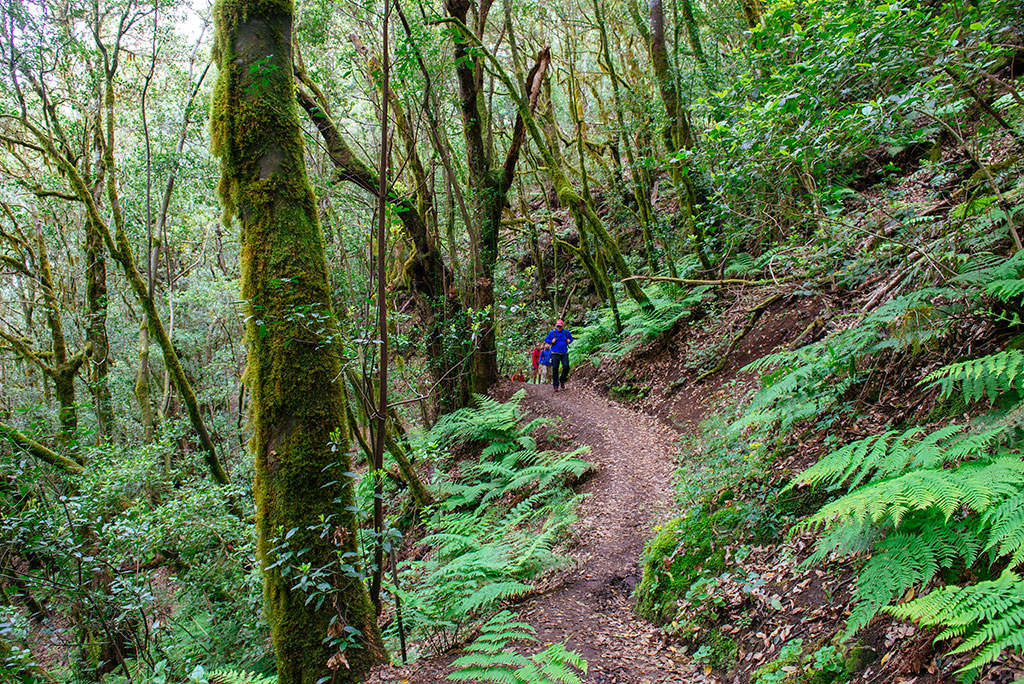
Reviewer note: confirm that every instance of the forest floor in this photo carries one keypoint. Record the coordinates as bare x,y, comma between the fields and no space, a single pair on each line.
590,606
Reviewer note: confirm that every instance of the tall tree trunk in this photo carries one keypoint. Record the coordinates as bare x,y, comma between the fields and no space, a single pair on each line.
489,184
96,330
425,273
677,133
297,405
142,391
487,201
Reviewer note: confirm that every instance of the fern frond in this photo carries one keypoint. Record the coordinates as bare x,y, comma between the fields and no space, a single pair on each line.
975,486
989,376
490,594
1006,528
490,420
229,676
902,561
989,614
884,455
489,658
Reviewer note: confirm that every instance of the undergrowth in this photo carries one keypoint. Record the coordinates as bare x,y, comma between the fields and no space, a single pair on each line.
495,527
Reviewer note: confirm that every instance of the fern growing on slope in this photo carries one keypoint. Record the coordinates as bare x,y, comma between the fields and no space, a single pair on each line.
489,421
809,382
638,325
490,659
990,376
922,501
496,529
987,615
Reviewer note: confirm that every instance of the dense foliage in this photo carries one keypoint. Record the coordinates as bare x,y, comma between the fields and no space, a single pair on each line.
546,159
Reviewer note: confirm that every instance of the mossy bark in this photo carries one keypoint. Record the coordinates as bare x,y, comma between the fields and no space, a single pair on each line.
302,495
488,183
426,274
96,330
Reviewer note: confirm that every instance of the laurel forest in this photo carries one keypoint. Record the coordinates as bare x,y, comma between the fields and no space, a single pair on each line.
278,281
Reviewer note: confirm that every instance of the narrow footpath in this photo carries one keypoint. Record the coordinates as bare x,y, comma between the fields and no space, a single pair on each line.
592,609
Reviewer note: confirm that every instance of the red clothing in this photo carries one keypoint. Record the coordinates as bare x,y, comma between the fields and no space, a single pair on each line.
535,357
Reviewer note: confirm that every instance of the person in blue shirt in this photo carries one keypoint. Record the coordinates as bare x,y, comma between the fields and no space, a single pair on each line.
545,363
559,339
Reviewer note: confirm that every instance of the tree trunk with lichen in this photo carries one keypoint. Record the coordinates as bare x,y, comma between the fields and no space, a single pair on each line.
678,133
96,331
303,498
488,183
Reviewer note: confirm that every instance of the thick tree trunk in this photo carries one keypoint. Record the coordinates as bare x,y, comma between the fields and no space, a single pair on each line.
297,403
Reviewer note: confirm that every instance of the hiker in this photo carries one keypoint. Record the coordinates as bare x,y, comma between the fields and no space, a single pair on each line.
519,377
559,339
535,359
545,364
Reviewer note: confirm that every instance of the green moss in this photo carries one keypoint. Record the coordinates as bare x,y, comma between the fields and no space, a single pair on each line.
717,650
628,393
321,621
687,548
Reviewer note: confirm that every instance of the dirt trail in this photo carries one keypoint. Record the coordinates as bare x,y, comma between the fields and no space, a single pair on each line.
591,605
593,609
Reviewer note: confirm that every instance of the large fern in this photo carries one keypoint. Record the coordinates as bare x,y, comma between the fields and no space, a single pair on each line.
987,615
490,658
904,560
489,421
990,376
893,452
497,527
973,486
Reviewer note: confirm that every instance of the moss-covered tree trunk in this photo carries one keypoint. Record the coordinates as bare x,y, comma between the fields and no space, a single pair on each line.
488,183
302,494
96,330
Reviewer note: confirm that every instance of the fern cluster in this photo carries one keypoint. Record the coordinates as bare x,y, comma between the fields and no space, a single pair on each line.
600,338
987,615
495,528
808,382
489,658
489,421
918,502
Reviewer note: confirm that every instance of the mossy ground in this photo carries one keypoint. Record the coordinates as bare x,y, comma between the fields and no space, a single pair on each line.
690,547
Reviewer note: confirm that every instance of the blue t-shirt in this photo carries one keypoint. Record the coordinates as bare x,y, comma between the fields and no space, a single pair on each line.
559,341
545,357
